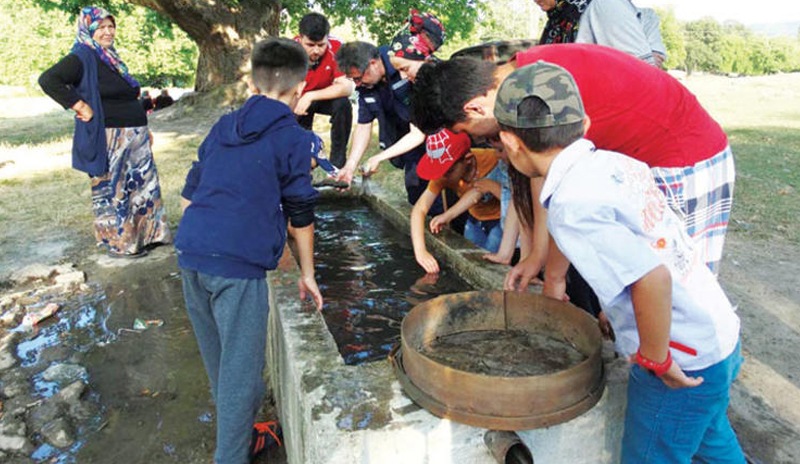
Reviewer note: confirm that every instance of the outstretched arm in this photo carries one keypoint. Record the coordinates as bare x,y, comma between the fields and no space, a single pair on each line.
304,240
341,87
408,142
511,231
418,214
361,137
528,268
464,203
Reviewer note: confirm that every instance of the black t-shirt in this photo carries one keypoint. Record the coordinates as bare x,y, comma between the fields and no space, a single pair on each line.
121,106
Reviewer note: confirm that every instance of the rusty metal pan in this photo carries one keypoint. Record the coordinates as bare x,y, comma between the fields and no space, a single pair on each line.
499,402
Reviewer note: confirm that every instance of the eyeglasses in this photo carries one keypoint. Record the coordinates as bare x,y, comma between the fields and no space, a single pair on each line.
359,79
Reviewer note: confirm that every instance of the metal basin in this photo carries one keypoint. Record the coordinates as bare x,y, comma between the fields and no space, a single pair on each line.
510,401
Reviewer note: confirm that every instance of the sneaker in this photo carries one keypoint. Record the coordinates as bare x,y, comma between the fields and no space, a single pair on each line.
266,435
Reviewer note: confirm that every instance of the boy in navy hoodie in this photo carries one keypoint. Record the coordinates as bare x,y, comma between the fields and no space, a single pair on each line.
251,177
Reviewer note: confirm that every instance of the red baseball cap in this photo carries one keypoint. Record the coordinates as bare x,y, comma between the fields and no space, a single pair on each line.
442,149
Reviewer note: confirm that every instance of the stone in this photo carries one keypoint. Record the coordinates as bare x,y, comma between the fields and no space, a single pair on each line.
19,404
31,272
15,444
9,299
14,383
12,316
11,425
65,268
58,433
70,278
44,413
83,410
28,300
64,373
71,393
8,346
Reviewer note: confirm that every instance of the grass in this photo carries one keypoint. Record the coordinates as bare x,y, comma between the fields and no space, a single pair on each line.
761,116
36,130
767,194
42,199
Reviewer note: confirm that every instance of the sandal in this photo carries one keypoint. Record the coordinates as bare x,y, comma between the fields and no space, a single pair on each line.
266,435
140,254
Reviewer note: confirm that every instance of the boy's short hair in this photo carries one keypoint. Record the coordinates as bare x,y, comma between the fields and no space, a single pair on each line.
442,89
541,104
356,55
278,65
314,26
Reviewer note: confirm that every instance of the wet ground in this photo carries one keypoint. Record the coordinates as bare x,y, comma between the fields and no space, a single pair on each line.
145,377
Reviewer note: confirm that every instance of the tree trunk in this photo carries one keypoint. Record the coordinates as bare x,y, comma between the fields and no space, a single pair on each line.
224,34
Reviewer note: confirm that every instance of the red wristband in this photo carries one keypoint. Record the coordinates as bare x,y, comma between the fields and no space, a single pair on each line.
655,368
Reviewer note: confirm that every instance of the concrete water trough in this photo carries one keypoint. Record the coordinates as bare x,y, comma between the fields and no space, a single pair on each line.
338,413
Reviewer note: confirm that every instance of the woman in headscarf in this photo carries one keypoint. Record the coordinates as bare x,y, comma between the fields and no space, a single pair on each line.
614,23
416,44
111,142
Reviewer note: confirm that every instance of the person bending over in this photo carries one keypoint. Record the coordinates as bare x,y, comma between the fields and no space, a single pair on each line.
669,313
449,163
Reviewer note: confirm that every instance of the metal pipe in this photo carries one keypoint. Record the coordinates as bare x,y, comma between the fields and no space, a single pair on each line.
507,447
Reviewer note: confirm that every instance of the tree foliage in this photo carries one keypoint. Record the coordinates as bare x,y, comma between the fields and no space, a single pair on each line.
174,42
382,19
157,53
729,48
672,35
224,31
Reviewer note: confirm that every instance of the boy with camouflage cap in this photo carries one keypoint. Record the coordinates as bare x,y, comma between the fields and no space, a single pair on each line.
668,312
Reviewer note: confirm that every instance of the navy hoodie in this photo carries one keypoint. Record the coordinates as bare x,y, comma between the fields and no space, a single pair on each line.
253,173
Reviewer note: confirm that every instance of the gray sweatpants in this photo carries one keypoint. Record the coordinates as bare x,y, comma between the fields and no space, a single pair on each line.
229,317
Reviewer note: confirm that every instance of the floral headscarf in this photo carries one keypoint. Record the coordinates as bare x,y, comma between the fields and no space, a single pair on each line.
88,22
563,20
423,35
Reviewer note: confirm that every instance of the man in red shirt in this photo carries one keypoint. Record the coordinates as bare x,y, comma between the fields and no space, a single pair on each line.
634,108
327,89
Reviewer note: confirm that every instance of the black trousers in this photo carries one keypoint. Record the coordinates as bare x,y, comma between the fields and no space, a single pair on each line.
581,294
341,112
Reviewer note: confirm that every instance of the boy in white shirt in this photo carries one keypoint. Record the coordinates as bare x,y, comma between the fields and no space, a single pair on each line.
666,308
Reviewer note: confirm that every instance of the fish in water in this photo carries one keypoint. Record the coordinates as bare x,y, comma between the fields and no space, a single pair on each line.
360,268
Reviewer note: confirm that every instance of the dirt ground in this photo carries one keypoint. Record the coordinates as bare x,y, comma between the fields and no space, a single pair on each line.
762,278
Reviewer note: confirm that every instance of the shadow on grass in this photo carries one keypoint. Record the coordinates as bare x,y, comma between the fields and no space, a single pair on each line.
767,193
36,130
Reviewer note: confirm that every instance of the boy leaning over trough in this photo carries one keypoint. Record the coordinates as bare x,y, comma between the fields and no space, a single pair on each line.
251,177
669,313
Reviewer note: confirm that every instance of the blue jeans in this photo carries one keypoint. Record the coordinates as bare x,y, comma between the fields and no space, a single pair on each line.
485,234
687,425
229,317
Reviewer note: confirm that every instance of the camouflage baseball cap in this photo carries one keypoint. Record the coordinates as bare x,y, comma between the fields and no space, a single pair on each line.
552,83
